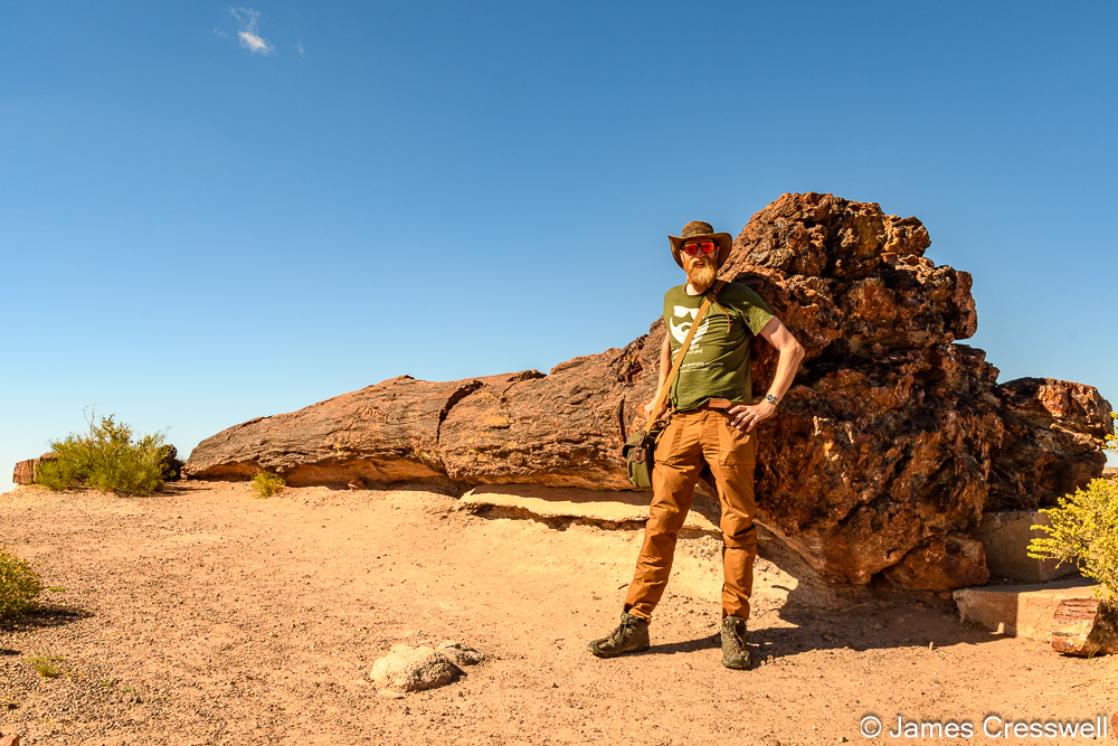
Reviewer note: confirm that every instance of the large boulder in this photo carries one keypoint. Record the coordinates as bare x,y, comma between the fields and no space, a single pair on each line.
887,450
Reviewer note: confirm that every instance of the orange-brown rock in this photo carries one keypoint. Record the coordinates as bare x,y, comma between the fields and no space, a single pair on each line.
24,471
1085,627
942,564
380,434
1051,445
872,461
560,429
886,451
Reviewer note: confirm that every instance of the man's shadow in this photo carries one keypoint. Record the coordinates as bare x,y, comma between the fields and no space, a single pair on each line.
823,614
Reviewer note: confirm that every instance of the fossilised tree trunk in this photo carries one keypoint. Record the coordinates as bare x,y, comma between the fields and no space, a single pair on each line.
1051,448
886,451
26,470
384,433
1085,627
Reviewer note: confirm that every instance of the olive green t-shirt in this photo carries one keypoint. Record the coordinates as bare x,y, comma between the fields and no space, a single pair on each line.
717,363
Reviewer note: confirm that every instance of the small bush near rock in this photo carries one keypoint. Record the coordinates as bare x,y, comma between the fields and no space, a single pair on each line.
19,586
266,484
1084,532
106,459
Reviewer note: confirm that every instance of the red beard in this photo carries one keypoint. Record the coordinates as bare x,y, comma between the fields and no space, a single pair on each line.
701,274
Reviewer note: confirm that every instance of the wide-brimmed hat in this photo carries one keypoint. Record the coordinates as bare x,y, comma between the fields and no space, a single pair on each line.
697,229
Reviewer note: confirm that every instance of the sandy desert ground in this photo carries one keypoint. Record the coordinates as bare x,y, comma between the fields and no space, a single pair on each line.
203,615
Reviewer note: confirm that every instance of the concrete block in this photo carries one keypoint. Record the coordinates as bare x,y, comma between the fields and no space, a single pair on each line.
1006,535
1020,609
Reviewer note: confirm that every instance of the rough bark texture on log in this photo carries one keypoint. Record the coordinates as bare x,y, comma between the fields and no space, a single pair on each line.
1051,446
381,434
24,471
1084,627
560,429
886,451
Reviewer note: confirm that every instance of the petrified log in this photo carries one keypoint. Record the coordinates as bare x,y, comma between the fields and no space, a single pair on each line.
885,453
1051,446
24,471
873,461
380,434
1084,627
560,429
883,446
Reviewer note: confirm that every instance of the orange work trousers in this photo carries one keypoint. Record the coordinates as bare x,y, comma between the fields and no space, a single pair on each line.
690,440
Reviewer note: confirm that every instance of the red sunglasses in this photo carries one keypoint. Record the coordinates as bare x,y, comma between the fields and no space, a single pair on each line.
693,249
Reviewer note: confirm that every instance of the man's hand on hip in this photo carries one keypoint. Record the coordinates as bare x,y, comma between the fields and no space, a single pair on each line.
746,416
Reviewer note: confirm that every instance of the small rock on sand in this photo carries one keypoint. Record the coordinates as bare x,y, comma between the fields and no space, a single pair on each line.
411,669
408,669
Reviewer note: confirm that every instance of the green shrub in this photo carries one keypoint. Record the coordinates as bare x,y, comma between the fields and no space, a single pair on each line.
44,665
106,459
1084,532
266,484
19,586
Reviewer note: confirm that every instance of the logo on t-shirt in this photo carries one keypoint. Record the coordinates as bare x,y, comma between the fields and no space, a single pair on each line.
679,330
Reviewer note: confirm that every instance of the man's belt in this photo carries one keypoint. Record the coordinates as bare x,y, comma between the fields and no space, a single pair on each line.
714,404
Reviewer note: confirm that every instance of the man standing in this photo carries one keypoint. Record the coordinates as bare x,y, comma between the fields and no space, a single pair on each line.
712,421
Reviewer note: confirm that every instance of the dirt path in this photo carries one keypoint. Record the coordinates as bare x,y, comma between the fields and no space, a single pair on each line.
206,616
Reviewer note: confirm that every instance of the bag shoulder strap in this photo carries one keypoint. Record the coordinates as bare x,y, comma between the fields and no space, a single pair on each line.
658,405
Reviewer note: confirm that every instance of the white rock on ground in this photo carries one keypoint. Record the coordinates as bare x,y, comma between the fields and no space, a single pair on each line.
412,669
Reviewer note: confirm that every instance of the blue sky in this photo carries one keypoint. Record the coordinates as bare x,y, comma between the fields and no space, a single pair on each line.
210,213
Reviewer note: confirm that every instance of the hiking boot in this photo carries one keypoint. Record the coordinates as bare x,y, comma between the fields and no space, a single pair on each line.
734,652
631,636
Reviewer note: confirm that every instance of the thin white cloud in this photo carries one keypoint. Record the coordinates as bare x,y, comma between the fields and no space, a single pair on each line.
254,42
249,33
299,48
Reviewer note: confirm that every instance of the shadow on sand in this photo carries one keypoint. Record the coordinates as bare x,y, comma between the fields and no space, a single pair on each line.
824,615
43,615
819,613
